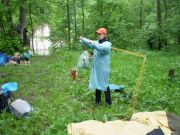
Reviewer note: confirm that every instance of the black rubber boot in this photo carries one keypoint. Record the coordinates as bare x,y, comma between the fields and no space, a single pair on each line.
108,96
98,97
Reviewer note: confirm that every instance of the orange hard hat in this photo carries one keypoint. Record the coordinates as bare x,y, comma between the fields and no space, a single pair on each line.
101,31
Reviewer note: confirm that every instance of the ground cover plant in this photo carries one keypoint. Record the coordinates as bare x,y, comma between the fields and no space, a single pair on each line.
58,101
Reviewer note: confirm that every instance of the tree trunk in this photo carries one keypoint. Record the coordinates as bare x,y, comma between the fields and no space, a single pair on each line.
2,30
178,37
31,23
141,10
8,15
82,16
100,7
68,24
75,24
165,8
22,21
159,24
178,31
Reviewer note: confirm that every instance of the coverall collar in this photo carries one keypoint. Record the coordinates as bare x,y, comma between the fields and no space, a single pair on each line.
103,40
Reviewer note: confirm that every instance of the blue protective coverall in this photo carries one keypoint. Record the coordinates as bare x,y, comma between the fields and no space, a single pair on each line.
100,66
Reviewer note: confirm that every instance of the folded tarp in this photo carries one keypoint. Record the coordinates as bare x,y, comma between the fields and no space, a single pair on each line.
143,123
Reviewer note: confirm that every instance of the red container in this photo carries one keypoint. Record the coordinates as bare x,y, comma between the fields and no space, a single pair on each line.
73,74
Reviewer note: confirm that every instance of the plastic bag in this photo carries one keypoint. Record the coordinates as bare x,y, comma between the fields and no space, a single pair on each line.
11,86
20,108
84,61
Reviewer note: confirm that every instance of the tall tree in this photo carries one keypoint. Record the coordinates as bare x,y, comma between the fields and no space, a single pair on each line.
165,10
8,15
31,23
68,24
159,24
178,22
82,16
1,24
141,10
22,21
75,23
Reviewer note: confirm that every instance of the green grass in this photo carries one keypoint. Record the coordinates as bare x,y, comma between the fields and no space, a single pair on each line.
57,100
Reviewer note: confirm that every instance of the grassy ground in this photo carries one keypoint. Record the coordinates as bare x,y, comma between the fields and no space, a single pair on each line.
58,101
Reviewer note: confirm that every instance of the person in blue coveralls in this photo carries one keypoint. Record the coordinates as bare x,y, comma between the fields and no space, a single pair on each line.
100,67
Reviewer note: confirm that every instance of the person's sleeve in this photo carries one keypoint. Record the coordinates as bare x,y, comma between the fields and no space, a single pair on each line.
86,43
103,48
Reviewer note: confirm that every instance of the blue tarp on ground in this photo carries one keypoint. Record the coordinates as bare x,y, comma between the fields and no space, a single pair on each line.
4,58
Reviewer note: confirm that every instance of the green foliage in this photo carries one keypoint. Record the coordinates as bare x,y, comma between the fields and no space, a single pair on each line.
158,91
57,100
47,85
59,22
10,44
120,17
113,19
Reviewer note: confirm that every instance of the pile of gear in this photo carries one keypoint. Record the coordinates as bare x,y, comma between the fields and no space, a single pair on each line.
18,107
17,58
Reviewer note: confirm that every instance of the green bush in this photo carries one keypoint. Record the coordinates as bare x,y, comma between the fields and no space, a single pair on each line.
10,44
